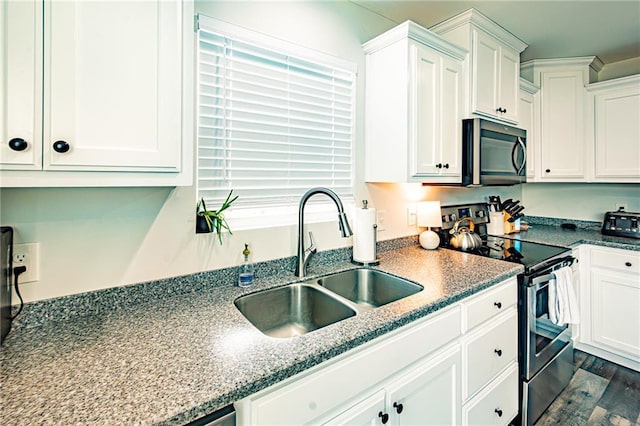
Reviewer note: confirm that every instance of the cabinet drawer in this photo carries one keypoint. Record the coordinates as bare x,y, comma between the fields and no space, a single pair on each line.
497,404
487,305
315,393
489,351
619,260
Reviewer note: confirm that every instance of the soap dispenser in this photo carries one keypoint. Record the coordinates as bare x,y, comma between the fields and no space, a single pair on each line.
246,275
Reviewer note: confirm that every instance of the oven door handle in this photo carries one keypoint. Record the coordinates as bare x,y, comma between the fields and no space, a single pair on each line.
536,281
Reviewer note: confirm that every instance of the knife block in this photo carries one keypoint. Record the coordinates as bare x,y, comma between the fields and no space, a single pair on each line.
510,227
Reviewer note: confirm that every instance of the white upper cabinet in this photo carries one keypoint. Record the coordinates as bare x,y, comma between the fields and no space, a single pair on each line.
493,66
528,121
564,150
414,100
20,85
616,113
115,93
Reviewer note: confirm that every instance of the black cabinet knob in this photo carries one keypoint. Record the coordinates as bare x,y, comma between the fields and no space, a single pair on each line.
18,144
498,412
398,407
384,417
498,352
61,147
547,171
439,166
497,305
446,166
628,264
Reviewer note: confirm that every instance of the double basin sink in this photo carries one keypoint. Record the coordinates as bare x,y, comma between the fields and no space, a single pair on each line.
300,308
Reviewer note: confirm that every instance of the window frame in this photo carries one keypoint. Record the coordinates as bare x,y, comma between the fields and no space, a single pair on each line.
320,209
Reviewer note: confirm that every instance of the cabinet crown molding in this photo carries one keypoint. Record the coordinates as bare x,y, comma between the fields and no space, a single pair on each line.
413,31
592,62
622,82
528,86
476,19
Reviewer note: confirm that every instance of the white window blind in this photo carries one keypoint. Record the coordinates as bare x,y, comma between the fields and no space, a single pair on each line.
271,123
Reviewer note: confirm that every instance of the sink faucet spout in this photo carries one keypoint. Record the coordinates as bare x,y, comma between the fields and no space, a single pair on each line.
303,255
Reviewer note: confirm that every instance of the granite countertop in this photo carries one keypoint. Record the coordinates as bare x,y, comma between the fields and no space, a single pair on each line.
171,360
553,234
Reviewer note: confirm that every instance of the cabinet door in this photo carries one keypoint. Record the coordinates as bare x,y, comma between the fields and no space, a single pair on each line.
617,134
526,121
369,411
428,394
486,51
436,139
20,85
509,84
113,85
424,114
562,139
615,312
451,101
497,404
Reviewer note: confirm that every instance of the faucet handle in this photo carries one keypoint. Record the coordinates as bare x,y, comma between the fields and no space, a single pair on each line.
312,244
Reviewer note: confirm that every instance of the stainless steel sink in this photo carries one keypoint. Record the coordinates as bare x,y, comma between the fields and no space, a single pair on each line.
369,287
292,310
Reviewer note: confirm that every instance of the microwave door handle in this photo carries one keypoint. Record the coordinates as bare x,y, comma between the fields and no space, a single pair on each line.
514,155
524,155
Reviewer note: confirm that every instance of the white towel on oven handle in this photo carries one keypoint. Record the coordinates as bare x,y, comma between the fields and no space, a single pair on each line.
563,305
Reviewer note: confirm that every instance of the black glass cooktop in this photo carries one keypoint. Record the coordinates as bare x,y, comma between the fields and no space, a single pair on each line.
528,254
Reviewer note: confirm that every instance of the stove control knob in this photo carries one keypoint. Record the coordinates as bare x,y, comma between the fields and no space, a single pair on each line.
453,217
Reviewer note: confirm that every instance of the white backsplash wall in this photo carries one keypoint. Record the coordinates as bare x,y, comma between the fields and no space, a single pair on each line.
582,201
394,199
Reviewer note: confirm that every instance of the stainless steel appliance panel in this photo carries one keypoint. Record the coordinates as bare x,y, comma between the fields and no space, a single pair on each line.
493,153
544,388
544,339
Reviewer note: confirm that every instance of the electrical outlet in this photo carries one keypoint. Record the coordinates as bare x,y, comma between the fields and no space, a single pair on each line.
380,220
622,205
411,215
27,255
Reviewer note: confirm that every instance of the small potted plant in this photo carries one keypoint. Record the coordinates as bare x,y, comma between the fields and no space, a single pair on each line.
213,220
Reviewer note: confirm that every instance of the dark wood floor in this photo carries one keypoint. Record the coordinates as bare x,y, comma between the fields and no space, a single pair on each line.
600,393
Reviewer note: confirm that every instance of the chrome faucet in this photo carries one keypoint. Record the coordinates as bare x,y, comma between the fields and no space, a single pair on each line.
305,254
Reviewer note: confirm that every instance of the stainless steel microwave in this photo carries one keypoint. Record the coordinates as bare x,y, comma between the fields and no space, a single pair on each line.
493,153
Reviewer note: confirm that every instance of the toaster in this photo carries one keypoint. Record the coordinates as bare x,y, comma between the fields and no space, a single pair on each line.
621,224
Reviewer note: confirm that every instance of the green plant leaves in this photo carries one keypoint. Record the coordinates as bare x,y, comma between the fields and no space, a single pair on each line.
214,218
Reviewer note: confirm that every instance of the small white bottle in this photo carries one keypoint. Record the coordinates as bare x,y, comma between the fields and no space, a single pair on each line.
246,275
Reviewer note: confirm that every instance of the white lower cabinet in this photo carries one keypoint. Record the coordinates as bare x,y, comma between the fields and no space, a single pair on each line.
610,304
428,394
490,355
497,404
411,376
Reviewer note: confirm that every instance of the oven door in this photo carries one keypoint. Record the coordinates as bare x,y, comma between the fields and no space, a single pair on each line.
543,339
